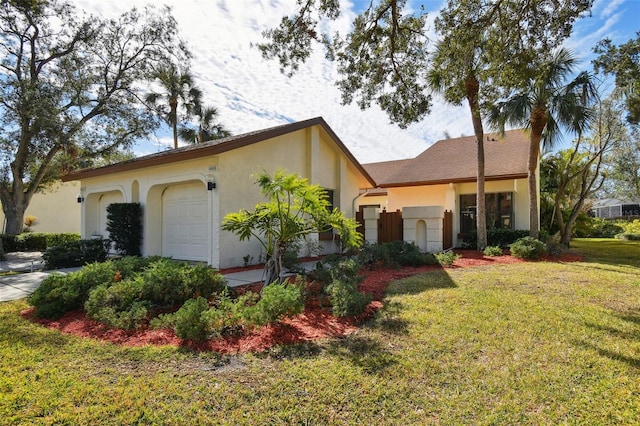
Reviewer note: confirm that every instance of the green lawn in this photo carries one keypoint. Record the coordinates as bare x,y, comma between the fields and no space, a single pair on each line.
534,343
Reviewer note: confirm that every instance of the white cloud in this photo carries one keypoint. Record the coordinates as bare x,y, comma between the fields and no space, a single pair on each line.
251,93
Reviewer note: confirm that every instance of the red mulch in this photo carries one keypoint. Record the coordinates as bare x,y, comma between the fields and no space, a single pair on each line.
316,322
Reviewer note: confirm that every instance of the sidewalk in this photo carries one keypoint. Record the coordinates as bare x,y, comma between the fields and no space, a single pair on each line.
21,285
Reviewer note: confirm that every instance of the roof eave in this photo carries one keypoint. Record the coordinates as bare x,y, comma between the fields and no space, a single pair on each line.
456,180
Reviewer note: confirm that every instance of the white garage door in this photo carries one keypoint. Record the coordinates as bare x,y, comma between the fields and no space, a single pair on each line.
185,222
105,200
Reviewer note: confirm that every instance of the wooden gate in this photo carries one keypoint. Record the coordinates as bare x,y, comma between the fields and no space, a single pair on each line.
447,230
390,227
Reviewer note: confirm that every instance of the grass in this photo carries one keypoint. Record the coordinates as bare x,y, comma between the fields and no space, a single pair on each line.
532,343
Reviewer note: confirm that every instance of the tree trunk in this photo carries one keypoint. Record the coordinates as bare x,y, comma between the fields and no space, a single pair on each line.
538,122
14,213
273,265
173,114
472,87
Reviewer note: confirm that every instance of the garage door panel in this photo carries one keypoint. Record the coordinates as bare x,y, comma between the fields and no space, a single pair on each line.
185,222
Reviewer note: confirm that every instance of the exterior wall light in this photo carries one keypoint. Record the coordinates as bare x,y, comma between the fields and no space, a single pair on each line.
211,186
80,198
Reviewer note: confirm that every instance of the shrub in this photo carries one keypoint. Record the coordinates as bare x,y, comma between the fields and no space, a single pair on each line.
56,295
528,248
632,227
495,237
226,315
62,293
76,253
628,237
119,305
346,299
164,284
191,321
596,227
202,281
124,224
395,253
446,258
277,300
36,241
492,251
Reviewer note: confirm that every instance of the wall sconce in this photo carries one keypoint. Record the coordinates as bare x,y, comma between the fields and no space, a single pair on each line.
80,198
211,186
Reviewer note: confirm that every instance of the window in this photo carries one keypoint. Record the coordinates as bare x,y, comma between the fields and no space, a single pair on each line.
499,212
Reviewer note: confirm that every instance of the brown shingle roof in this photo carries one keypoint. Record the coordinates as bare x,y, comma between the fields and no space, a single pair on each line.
213,148
455,160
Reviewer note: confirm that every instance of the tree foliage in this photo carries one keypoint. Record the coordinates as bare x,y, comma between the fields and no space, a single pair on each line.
295,209
70,89
624,62
207,128
544,106
177,91
579,171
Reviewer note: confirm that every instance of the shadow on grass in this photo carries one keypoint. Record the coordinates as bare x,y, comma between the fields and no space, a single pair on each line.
420,283
14,329
630,337
364,353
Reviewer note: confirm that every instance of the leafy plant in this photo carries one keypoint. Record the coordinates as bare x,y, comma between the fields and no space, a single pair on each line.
120,305
528,248
295,209
492,251
190,320
277,301
346,300
124,224
76,253
446,258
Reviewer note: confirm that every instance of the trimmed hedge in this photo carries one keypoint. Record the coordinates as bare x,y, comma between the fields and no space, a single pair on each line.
124,224
76,253
496,237
35,241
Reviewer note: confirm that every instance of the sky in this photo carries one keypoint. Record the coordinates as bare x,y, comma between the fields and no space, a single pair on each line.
251,93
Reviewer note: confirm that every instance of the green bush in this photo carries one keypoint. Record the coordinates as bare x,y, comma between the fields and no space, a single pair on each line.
595,227
632,227
163,283
446,258
495,237
76,253
191,322
394,254
202,281
628,237
119,305
492,251
35,241
124,224
225,316
528,248
62,293
56,295
277,301
346,299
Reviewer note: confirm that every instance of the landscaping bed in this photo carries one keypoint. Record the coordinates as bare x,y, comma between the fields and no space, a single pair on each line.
316,322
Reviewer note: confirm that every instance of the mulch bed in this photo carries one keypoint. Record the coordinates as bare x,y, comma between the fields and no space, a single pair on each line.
316,322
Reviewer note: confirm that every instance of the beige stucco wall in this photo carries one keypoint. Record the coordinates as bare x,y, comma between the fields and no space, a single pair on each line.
56,208
448,197
310,153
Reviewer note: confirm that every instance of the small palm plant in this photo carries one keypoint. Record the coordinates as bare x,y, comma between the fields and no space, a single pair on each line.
295,209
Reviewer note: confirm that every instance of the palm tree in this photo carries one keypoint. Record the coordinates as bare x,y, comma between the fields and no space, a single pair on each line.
177,85
546,105
207,129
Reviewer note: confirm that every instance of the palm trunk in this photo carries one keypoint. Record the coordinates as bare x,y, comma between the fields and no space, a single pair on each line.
472,87
538,122
173,117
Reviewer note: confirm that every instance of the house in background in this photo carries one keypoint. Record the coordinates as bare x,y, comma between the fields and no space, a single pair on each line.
443,179
186,193
56,208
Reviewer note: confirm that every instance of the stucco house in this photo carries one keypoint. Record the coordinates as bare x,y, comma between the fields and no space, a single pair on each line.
186,192
56,208
443,178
